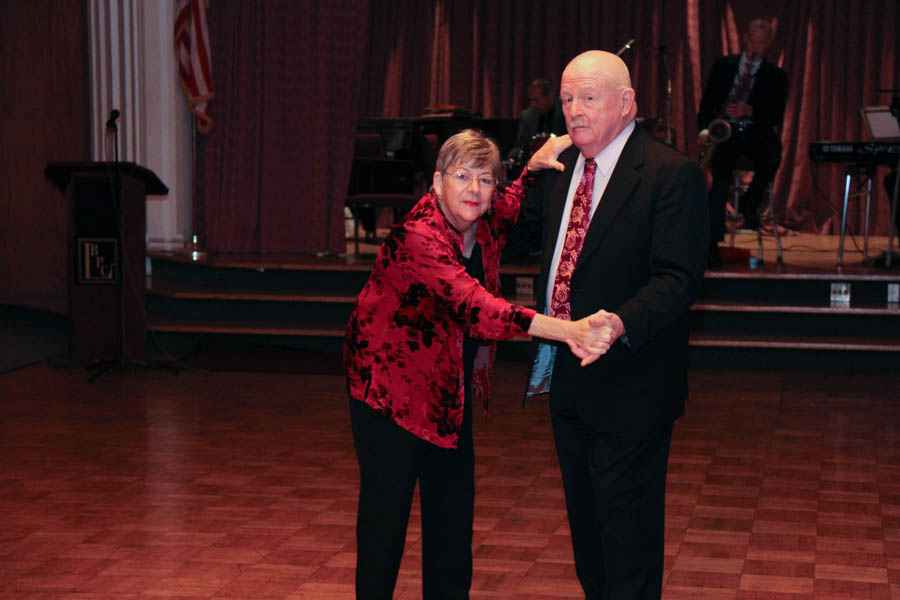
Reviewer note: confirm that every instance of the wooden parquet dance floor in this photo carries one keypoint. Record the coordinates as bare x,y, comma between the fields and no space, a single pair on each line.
149,484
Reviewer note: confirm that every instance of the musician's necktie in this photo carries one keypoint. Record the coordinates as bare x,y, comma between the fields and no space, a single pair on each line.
744,83
579,219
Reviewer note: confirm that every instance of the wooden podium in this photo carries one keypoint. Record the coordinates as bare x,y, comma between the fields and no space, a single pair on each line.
105,236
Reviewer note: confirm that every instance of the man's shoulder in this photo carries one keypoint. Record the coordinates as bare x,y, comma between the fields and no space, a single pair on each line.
529,113
727,60
772,70
567,157
547,178
663,152
569,154
656,156
723,68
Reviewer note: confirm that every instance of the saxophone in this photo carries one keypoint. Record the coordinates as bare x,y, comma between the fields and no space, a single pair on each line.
719,129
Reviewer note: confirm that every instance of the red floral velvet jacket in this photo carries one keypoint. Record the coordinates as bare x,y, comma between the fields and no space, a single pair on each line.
403,349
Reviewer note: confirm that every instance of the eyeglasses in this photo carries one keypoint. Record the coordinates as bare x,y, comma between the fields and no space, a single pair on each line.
465,180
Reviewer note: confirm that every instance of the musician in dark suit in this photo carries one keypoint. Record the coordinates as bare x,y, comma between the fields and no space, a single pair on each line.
623,229
543,115
755,110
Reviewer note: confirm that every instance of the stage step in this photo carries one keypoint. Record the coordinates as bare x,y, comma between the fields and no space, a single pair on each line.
182,290
167,324
795,342
244,327
802,307
305,301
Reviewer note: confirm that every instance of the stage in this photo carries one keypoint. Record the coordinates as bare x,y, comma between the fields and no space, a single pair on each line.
803,253
815,254
765,315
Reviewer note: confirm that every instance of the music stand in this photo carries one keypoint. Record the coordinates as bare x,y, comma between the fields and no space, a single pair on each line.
883,125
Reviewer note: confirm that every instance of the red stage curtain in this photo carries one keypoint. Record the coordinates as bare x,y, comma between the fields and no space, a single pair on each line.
276,165
482,55
839,55
292,80
398,57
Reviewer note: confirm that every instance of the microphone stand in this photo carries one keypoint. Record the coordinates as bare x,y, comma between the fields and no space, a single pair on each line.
115,183
122,265
122,272
627,46
668,103
111,124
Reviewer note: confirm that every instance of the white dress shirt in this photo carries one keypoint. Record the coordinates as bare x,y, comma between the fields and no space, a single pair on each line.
606,162
542,368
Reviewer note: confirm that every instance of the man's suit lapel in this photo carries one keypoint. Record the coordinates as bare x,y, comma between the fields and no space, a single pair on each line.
760,80
553,218
625,177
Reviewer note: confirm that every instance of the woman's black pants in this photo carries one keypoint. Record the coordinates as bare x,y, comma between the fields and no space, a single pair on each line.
391,461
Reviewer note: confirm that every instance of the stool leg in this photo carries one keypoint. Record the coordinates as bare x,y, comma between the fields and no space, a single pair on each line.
779,260
868,202
759,242
735,205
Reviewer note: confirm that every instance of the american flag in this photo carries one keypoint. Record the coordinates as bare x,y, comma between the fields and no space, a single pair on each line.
194,64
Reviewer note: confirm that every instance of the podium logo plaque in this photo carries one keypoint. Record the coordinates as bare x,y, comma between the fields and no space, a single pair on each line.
98,260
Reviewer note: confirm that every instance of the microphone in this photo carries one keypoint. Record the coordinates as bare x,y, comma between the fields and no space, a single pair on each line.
627,46
113,115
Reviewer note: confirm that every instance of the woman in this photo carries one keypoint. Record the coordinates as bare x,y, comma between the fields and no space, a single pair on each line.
415,363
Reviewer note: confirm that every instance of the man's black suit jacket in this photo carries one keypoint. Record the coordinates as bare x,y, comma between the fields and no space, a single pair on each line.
767,97
643,258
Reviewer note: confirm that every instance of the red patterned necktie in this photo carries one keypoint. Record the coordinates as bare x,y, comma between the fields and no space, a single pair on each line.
579,219
744,82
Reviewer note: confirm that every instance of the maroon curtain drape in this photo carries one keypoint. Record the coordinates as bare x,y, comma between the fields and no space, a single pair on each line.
44,116
398,57
275,167
292,78
839,55
482,55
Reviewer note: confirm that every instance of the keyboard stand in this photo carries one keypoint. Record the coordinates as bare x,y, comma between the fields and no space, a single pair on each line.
892,223
867,172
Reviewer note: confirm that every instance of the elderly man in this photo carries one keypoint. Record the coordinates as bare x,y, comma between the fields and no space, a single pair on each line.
625,230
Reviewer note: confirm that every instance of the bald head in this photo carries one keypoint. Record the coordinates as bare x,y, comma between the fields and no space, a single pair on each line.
601,64
598,100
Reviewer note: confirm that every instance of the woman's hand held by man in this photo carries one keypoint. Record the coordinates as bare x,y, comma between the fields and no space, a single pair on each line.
593,335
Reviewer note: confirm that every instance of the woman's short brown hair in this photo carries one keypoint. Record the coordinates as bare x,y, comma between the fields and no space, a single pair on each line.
470,147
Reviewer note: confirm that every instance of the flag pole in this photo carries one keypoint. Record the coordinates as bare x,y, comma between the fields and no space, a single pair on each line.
195,248
192,47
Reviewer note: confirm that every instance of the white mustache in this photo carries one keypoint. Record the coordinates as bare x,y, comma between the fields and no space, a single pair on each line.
577,122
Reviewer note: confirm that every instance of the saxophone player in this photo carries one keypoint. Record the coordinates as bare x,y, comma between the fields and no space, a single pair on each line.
750,94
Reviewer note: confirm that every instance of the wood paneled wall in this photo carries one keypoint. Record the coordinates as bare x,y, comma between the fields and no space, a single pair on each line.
44,116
